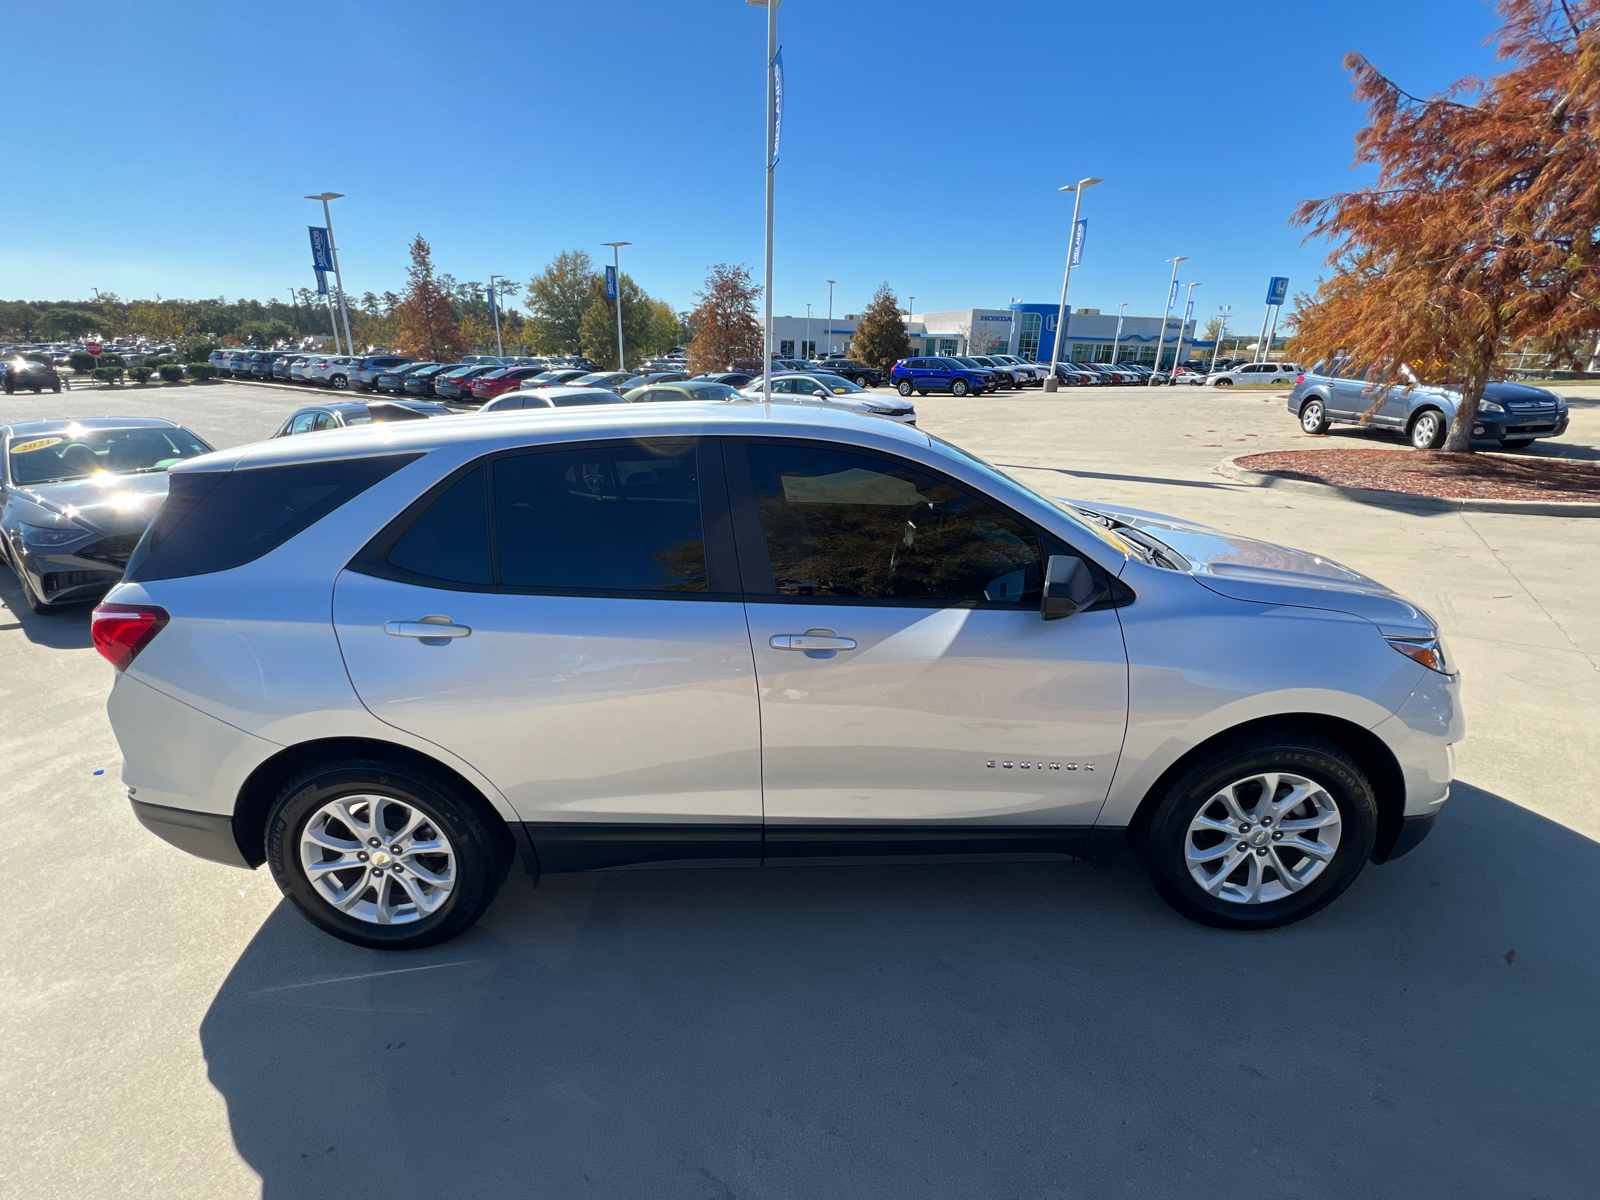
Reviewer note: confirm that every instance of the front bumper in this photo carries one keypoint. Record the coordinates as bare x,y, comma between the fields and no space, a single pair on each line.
1520,424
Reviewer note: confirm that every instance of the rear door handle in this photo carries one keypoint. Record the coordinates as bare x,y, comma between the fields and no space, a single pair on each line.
809,641
428,627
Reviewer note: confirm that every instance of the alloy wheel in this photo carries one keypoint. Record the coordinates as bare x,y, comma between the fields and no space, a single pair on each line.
1262,838
381,860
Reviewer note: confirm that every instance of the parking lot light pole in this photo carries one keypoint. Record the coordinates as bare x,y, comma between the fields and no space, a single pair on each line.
1051,383
338,277
813,353
1172,294
494,307
616,266
911,307
772,165
1177,352
1118,338
830,317
1222,311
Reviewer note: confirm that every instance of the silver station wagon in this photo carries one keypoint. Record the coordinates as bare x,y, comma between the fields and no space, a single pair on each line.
391,662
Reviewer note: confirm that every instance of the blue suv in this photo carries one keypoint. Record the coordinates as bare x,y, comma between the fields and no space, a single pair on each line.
1513,414
924,375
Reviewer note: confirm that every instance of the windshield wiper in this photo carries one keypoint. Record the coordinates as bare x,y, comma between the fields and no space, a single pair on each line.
1155,550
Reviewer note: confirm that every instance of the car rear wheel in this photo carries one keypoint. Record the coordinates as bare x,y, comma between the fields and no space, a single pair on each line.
384,855
338,382
1427,432
1515,443
1224,383
1262,833
1313,417
903,387
959,388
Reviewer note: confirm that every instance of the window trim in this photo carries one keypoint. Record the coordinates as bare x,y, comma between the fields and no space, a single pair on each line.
755,563
722,564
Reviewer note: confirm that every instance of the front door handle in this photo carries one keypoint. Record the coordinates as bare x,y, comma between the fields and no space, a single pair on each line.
810,641
428,628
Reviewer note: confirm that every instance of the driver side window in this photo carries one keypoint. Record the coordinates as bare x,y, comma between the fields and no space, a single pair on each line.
846,526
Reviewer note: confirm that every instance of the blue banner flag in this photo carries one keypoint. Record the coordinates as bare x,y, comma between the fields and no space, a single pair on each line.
1080,231
321,249
491,299
1188,312
1172,296
1277,290
611,283
322,283
777,107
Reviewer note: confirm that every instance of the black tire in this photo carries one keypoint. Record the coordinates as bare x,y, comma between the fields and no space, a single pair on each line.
10,391
338,382
1515,443
959,387
55,387
903,387
1314,416
1223,383
35,602
1428,430
482,846
1167,835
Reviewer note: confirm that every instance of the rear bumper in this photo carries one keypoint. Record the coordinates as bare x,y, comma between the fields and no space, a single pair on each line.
204,835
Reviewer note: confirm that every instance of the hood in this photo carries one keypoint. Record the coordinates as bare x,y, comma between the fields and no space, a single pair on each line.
115,504
1244,568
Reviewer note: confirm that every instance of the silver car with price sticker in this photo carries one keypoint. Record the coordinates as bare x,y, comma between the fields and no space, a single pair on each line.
390,663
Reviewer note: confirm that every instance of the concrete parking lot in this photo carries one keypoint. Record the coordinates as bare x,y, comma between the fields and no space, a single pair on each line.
1041,1029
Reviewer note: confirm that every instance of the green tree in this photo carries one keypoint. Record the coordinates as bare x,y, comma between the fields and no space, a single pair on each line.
68,322
648,325
880,339
557,299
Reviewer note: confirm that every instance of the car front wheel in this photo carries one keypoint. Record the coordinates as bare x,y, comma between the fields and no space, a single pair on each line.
1224,383
904,387
338,383
384,855
1262,833
959,388
1314,417
1427,433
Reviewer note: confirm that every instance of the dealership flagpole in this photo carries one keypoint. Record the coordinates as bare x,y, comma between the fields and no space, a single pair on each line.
494,307
1078,188
1161,334
338,277
772,165
1118,338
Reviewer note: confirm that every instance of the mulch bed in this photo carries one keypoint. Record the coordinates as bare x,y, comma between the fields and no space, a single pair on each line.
1436,473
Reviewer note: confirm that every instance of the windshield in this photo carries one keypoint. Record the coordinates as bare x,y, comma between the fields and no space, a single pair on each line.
837,383
79,453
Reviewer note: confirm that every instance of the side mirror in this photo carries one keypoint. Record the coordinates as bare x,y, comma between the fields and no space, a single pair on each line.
1069,587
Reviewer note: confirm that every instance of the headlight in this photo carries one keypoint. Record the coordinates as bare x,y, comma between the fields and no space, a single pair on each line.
1427,651
1490,406
40,537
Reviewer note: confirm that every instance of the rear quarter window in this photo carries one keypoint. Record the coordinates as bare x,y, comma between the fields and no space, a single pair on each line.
217,520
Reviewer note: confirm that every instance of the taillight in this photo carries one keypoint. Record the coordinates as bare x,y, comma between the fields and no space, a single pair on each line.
1299,378
120,631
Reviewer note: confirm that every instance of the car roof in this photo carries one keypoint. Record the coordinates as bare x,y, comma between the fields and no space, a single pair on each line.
486,432
35,428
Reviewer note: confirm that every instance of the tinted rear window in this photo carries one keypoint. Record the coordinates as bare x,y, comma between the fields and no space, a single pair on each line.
216,520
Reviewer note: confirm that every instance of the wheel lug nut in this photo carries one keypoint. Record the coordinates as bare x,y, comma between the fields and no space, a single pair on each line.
1244,828
1266,820
372,841
394,849
398,868
1261,853
362,856
1244,845
1277,835
378,871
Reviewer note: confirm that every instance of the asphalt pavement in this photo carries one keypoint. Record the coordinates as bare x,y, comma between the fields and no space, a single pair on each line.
1035,1029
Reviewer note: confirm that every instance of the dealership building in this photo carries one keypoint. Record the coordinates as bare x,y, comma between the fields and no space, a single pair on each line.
1026,330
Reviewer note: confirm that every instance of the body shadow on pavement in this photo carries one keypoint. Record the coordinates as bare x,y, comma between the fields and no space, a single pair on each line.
65,628
1018,1029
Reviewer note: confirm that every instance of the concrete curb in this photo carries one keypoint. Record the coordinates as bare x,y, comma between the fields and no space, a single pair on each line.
1410,501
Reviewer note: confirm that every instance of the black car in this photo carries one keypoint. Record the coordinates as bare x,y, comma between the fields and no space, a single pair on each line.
857,373
394,379
451,385
24,373
734,379
262,362
343,413
76,495
420,382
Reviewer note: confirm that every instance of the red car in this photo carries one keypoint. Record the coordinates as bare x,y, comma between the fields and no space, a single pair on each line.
487,387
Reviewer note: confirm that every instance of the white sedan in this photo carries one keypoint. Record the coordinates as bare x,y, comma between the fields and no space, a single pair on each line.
833,391
1267,372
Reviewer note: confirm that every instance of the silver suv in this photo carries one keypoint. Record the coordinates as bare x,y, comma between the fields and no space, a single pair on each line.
391,663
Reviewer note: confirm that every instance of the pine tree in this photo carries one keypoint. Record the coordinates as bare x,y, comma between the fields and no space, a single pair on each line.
427,327
880,339
726,329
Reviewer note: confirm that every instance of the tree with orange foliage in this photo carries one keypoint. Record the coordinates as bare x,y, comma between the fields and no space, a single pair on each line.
1480,232
428,327
726,320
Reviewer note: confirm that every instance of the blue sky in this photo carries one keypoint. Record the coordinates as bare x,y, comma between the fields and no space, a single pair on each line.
167,144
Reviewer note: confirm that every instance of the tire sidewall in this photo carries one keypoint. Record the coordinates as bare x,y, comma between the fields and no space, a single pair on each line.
1167,835
959,388
480,858
1314,417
